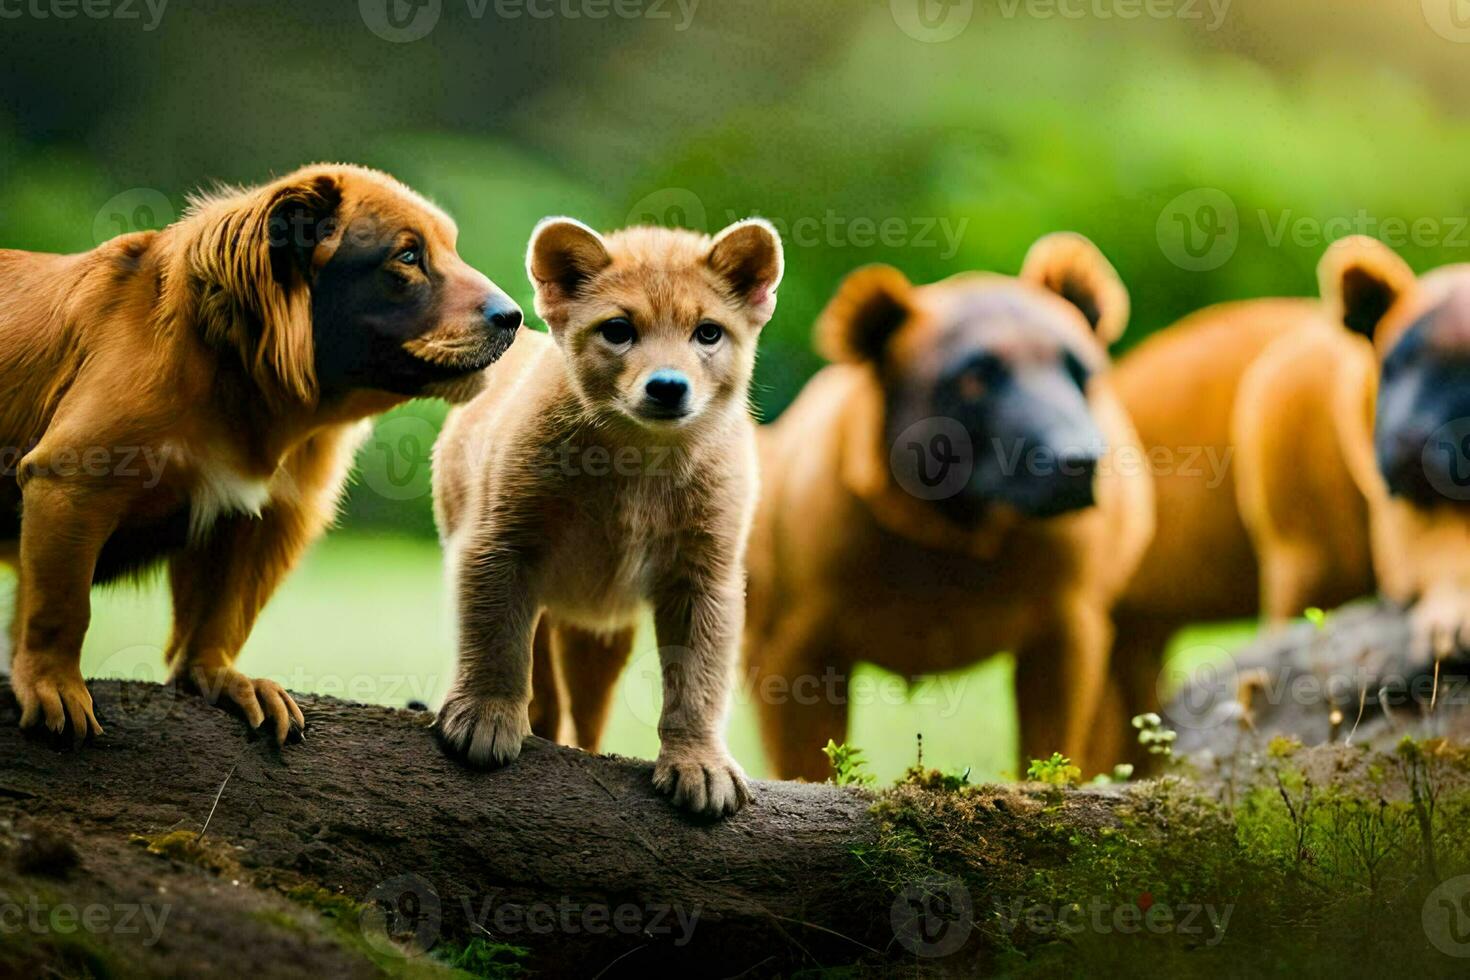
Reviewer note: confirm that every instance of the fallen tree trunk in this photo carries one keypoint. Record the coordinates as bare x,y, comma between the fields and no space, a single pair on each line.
571,856
177,840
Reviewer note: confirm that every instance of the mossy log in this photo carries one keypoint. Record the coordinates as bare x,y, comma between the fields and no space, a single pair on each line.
178,844
571,858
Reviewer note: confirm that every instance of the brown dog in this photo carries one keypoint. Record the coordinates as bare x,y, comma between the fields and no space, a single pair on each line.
957,485
610,466
190,395
1337,421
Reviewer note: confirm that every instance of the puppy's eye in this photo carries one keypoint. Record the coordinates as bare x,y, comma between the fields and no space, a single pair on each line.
618,331
708,333
409,256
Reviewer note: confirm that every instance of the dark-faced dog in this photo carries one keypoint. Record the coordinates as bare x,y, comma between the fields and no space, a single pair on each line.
191,396
1353,465
1340,463
956,485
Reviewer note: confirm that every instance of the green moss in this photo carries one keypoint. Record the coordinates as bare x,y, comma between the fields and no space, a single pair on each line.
481,958
185,847
1320,863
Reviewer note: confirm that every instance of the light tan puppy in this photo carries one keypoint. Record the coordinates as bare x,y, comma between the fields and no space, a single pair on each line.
958,484
610,466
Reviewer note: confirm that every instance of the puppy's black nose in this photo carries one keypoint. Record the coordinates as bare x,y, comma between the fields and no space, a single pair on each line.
667,389
502,315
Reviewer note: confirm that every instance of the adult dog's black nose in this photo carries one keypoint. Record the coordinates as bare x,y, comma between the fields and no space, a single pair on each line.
502,315
667,389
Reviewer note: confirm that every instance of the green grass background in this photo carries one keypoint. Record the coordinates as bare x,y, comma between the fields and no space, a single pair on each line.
367,617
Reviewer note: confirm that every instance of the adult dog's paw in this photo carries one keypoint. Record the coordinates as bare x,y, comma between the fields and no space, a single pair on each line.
1441,622
259,701
53,695
702,779
482,732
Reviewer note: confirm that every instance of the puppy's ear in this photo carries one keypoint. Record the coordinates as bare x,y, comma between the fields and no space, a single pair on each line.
870,306
1361,279
252,257
747,257
1069,265
563,256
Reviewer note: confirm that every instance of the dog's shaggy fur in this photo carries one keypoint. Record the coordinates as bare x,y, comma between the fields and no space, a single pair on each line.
192,395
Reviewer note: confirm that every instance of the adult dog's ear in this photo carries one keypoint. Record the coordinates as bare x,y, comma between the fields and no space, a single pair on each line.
1361,279
870,306
748,259
564,255
1069,265
251,258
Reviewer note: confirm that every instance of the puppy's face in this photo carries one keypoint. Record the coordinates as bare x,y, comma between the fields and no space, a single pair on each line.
659,326
393,306
989,376
1421,330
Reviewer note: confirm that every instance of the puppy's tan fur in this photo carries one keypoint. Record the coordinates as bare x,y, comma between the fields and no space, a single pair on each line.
846,566
193,346
556,496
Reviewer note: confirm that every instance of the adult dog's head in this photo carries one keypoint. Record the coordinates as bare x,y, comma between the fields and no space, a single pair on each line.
336,279
985,378
1420,328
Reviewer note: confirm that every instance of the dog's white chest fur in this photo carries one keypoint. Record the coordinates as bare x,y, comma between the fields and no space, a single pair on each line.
219,489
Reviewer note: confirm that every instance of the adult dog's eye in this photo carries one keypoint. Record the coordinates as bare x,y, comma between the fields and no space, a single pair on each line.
409,256
708,333
618,331
1076,370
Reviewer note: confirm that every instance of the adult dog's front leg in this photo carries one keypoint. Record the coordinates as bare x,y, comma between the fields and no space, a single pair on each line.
63,529
698,638
486,715
219,588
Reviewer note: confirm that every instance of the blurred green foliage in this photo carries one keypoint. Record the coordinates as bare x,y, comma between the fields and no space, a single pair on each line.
1303,121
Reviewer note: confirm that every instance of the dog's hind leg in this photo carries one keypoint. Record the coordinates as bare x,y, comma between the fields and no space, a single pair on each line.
1134,674
800,686
590,664
547,699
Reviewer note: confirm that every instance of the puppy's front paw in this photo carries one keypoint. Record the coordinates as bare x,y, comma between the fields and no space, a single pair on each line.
702,779
54,695
483,732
